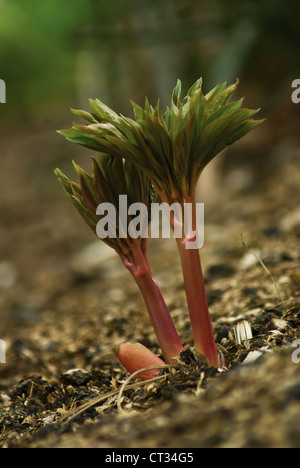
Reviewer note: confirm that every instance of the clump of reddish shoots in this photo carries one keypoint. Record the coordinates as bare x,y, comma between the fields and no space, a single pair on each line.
111,178
172,149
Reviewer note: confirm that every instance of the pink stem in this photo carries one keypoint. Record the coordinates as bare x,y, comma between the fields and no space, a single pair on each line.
162,322
194,284
197,302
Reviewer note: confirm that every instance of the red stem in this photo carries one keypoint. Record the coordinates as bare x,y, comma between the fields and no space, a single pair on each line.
194,284
197,302
162,322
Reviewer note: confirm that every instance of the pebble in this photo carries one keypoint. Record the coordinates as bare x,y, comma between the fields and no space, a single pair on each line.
291,220
278,324
249,260
8,275
5,399
92,257
284,280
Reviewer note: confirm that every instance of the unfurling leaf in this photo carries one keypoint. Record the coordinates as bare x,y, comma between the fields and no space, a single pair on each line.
173,147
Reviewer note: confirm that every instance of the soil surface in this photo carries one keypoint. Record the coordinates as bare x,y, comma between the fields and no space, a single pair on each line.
66,303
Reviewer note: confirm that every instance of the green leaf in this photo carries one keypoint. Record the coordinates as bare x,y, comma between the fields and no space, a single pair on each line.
197,86
103,112
84,115
177,94
138,111
171,147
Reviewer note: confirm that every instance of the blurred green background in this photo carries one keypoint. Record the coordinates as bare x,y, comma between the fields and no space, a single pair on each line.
55,55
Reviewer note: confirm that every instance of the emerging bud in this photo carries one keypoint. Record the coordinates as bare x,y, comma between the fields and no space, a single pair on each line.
135,356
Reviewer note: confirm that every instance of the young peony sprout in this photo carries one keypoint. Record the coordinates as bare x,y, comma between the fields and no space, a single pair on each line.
112,178
172,149
135,356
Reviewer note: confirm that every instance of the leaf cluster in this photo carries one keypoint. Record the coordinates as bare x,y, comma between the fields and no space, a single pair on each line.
111,177
171,148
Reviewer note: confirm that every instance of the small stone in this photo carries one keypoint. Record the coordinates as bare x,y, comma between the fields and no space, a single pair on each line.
4,399
92,257
249,260
291,220
278,324
8,275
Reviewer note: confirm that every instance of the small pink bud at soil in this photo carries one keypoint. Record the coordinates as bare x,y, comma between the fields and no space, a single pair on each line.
135,356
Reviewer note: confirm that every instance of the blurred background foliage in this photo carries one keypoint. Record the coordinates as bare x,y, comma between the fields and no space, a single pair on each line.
52,53
55,55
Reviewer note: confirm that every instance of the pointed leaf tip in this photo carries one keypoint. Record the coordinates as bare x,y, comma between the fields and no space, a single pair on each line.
177,93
